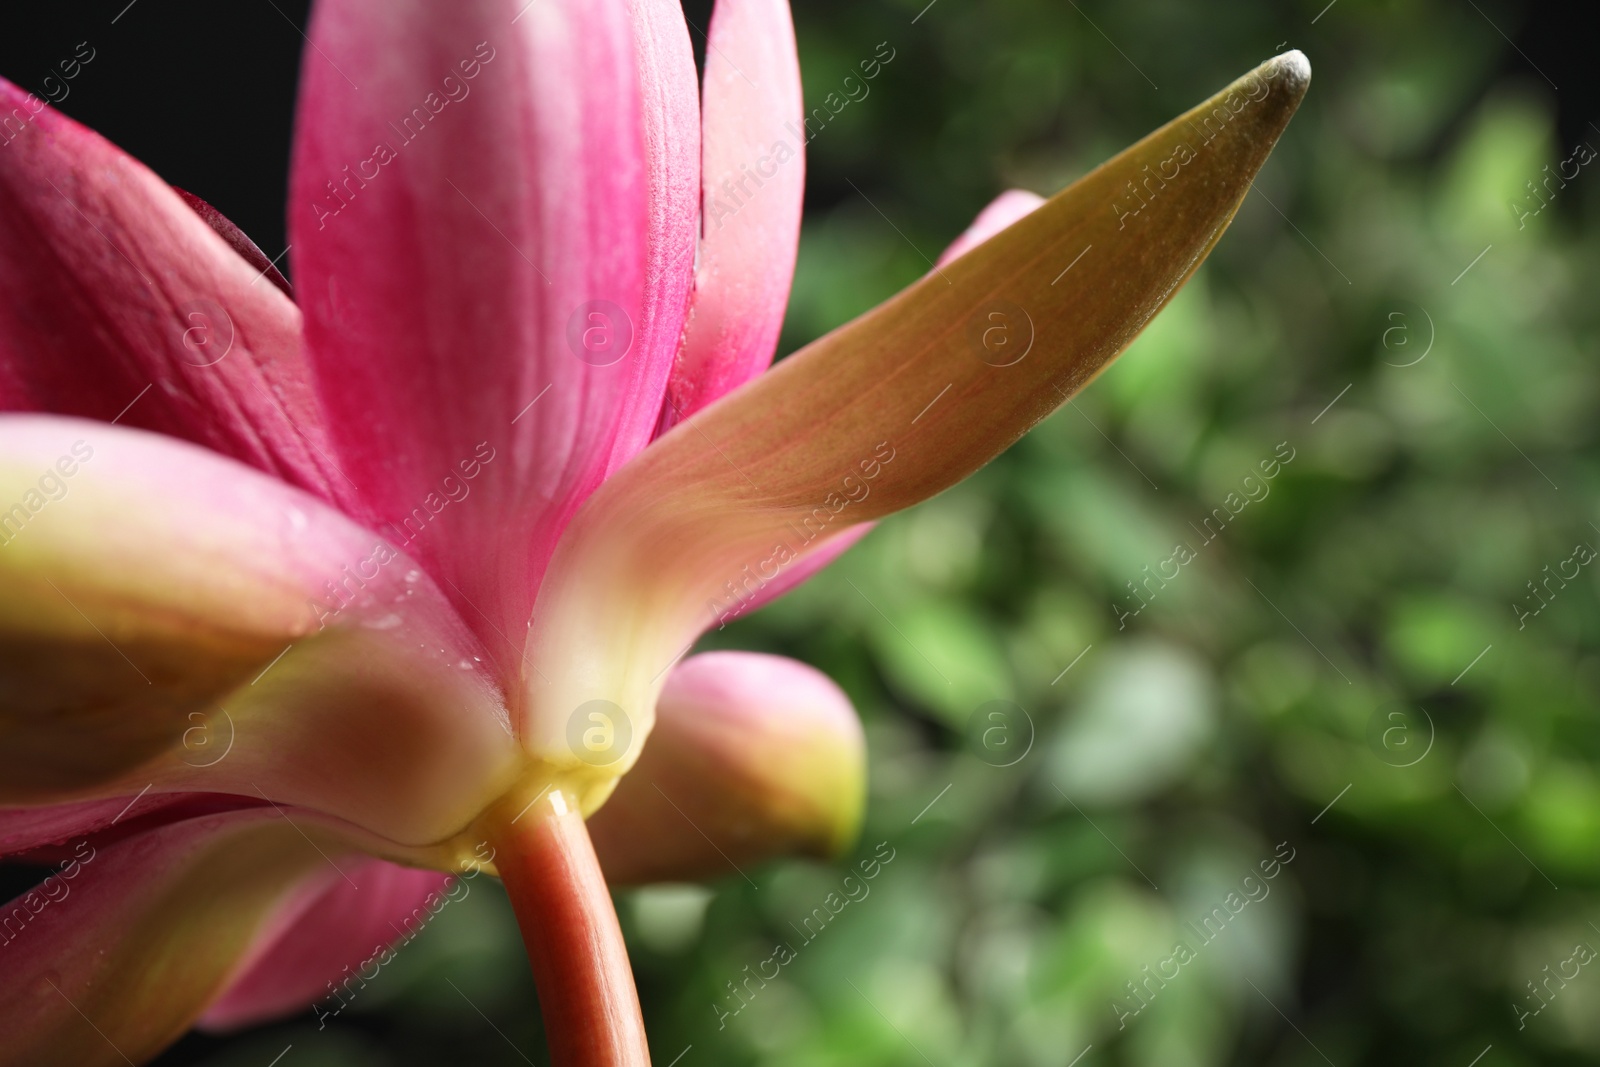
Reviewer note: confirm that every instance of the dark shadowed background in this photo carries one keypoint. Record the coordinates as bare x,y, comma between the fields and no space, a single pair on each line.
1353,682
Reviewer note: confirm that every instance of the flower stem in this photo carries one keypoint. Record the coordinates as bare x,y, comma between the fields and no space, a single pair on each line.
580,964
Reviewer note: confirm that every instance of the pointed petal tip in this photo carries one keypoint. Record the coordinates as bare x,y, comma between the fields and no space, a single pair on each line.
1289,76
1271,92
1295,68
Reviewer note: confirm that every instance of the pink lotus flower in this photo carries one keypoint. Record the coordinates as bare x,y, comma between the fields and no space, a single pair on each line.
312,603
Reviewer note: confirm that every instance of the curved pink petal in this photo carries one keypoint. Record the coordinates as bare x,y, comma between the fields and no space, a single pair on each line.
336,921
336,932
754,184
671,114
118,302
42,834
113,957
752,756
492,249
1001,212
173,621
22,829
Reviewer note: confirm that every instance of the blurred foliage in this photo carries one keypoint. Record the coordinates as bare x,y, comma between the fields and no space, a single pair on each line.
1339,675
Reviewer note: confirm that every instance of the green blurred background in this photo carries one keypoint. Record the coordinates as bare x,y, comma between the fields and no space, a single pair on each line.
1339,677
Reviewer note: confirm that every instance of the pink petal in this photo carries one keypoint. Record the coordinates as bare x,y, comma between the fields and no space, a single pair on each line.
332,924
114,957
492,244
26,828
118,302
42,834
671,116
1002,211
754,184
752,757
174,621
334,935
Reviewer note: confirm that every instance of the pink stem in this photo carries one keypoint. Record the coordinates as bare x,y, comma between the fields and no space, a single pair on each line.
580,964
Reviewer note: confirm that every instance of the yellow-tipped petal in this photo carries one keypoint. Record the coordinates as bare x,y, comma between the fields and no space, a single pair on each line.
886,411
173,621
752,757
